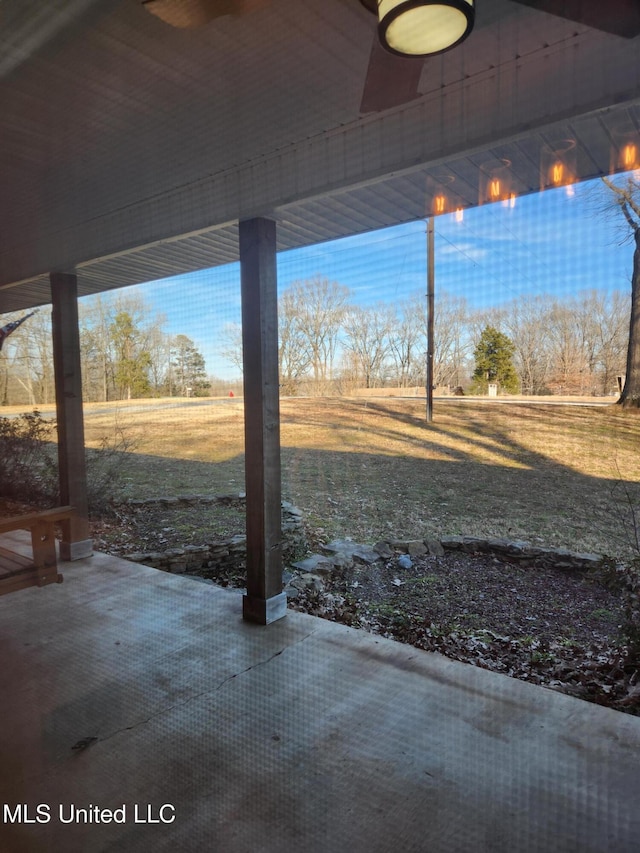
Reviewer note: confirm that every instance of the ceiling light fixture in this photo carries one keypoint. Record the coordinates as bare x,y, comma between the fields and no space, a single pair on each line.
496,182
437,187
625,152
422,27
558,164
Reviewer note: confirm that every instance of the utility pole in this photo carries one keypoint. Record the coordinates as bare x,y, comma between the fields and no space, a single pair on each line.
430,303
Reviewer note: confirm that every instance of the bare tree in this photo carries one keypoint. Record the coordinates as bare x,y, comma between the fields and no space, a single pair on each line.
310,314
321,305
526,323
39,354
367,338
231,344
453,343
625,196
294,353
94,318
27,360
159,345
610,313
453,338
407,342
569,350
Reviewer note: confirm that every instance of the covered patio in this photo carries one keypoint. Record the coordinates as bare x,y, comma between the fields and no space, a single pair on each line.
134,150
128,687
140,146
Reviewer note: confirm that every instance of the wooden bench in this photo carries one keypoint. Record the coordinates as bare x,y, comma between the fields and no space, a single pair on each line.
17,571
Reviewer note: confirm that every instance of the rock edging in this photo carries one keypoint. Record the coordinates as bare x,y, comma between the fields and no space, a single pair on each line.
228,553
310,573
238,499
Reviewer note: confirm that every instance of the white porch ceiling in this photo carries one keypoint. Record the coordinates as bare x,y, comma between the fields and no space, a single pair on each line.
129,149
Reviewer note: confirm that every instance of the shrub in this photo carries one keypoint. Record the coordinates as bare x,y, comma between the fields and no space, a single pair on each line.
29,464
28,459
105,473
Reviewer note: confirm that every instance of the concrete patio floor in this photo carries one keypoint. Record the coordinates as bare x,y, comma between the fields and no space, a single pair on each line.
303,736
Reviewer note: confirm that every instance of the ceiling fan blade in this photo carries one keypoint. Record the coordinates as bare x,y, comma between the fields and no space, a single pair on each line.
391,80
190,14
620,17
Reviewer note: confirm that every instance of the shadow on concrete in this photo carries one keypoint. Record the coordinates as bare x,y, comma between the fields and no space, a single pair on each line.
306,736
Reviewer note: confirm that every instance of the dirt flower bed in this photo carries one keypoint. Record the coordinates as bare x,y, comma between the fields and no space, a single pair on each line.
553,627
546,626
158,528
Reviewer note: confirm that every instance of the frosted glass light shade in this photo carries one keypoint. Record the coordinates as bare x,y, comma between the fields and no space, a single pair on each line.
424,27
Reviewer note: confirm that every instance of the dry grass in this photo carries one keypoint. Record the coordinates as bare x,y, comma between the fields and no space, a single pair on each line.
369,468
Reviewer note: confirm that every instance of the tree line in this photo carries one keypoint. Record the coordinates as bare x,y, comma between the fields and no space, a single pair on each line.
329,344
125,352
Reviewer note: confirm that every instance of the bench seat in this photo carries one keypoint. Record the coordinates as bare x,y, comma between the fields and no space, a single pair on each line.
16,570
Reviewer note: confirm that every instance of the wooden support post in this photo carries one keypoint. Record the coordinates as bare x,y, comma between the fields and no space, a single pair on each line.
76,542
265,601
430,314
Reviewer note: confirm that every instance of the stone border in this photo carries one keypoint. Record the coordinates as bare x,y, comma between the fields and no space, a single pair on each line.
186,500
524,553
311,572
229,553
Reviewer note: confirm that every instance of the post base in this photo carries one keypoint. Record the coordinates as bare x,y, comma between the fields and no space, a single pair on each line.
76,550
264,611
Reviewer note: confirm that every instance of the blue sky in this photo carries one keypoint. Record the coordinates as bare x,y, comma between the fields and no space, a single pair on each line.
551,242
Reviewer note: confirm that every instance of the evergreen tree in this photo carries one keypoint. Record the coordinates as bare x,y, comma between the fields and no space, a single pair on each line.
494,362
189,370
132,360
